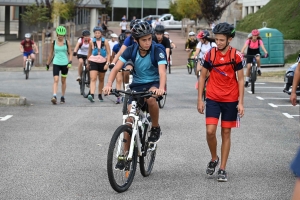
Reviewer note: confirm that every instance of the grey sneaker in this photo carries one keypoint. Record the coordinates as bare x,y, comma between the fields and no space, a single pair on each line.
54,100
211,167
222,175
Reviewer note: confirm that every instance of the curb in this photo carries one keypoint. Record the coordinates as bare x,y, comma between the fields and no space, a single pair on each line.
13,101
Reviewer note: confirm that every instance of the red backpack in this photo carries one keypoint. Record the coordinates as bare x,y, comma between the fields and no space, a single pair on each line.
80,45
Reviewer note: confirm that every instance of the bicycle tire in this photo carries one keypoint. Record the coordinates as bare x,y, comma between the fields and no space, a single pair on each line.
162,101
146,165
85,83
122,184
253,73
169,66
108,34
189,69
195,67
27,70
80,84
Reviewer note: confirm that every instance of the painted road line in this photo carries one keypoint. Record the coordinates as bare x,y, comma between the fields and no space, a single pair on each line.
268,87
260,83
5,118
265,92
275,106
260,98
290,116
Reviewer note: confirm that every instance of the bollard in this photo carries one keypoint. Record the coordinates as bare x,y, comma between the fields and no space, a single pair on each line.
40,53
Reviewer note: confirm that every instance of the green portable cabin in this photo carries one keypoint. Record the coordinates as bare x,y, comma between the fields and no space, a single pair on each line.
274,44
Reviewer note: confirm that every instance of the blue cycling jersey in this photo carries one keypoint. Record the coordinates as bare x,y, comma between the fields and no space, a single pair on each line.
129,41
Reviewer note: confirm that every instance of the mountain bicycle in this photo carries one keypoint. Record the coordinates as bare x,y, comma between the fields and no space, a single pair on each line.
192,63
129,141
85,80
253,71
28,65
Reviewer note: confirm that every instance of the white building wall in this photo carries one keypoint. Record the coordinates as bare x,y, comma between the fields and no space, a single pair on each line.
119,3
163,4
251,6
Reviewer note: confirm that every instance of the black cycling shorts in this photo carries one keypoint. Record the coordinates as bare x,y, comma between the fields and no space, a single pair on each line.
252,52
81,56
63,68
97,66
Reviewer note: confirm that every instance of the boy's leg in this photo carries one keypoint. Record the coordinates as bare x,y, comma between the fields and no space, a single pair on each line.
225,147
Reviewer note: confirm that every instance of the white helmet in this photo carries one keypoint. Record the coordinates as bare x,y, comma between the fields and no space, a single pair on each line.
166,33
27,35
192,33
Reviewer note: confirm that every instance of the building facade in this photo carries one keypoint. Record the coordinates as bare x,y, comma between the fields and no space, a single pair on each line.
138,8
251,6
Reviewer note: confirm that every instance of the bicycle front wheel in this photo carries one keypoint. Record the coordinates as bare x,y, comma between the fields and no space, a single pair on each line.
253,78
85,83
27,70
149,153
120,178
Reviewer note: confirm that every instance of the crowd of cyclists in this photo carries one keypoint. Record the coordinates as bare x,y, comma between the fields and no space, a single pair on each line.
141,45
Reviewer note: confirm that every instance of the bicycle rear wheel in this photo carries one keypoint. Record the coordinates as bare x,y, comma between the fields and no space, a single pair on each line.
85,83
189,68
149,152
120,180
169,66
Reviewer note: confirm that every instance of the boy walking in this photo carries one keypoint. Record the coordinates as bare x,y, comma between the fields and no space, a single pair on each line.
225,94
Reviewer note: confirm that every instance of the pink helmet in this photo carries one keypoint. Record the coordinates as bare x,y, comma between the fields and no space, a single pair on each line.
255,32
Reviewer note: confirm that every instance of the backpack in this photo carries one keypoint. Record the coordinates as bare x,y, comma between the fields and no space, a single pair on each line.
251,41
65,43
80,45
212,58
102,50
154,46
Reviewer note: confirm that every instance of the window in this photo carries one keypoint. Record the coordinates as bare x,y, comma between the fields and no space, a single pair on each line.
15,12
134,12
163,11
119,13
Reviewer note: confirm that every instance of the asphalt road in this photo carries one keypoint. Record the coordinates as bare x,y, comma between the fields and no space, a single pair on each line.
59,152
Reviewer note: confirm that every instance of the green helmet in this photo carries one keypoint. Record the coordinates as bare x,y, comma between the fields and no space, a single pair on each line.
61,30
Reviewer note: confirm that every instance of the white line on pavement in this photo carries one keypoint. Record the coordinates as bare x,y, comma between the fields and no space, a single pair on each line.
260,98
5,118
275,106
268,87
260,83
265,92
290,116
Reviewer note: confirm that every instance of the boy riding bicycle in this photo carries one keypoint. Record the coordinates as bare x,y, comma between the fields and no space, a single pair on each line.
28,48
146,75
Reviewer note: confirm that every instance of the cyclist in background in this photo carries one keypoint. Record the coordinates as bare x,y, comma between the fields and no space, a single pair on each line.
115,50
161,39
146,76
98,57
112,43
191,44
81,50
205,44
173,45
28,48
252,44
60,48
225,95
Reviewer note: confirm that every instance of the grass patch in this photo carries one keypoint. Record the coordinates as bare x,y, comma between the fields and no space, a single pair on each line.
292,58
8,95
281,15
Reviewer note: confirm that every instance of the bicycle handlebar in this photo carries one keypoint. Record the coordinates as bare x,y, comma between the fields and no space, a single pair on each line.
133,93
252,56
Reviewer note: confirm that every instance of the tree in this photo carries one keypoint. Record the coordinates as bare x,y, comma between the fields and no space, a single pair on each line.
212,10
65,9
107,8
34,15
186,8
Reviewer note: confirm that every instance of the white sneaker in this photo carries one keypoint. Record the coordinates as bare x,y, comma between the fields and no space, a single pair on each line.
78,78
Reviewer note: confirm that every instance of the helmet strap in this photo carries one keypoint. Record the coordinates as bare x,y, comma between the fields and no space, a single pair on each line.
140,48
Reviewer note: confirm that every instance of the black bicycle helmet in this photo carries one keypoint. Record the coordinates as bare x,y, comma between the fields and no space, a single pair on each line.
121,38
159,29
86,33
225,29
133,22
141,29
127,31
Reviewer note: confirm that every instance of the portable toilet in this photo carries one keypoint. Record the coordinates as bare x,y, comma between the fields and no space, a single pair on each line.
274,44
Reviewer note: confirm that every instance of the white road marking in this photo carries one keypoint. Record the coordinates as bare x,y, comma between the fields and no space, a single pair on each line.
275,106
260,98
265,92
290,116
260,83
268,87
5,118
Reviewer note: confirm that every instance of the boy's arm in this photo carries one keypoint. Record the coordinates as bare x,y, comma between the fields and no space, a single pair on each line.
240,74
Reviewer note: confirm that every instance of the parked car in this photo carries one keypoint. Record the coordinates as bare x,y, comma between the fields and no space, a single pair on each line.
152,17
288,79
169,22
